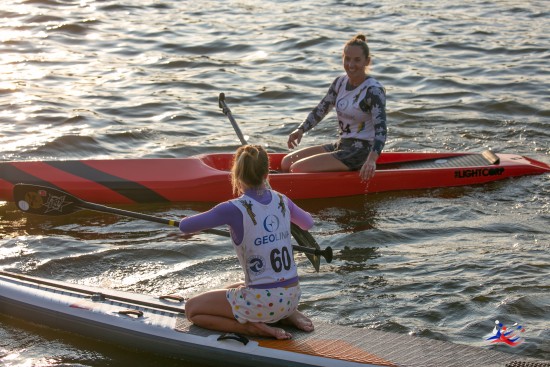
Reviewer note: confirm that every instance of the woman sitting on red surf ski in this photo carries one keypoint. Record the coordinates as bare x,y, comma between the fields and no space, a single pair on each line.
360,102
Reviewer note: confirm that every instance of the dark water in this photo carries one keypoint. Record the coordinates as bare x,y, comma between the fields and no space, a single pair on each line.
96,79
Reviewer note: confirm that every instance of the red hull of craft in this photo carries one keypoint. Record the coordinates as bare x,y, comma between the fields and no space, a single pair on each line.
206,177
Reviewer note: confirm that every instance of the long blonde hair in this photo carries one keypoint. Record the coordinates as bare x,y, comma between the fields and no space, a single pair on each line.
249,169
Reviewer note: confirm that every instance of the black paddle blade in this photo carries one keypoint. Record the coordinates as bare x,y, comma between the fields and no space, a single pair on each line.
304,238
44,200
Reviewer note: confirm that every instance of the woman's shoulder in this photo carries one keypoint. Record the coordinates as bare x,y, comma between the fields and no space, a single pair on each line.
283,198
342,78
227,207
277,194
373,82
338,82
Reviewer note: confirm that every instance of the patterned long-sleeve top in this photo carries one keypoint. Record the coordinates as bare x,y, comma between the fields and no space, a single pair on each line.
361,111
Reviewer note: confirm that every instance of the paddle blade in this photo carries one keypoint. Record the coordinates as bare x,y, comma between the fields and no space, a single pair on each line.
304,238
44,200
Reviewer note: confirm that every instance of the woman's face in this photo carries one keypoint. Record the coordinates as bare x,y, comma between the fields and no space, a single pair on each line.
355,62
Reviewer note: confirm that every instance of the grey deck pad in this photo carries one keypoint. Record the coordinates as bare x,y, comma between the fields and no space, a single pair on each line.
469,160
383,348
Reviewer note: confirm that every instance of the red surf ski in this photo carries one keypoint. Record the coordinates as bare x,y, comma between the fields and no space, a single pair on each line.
205,178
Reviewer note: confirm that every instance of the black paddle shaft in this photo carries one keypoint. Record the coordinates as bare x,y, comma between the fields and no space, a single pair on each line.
304,238
226,111
42,200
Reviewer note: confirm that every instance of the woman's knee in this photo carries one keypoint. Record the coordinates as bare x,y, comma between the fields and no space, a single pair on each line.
290,161
286,162
193,307
297,167
189,308
307,164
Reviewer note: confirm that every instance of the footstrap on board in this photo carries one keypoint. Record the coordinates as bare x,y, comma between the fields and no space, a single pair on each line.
491,157
234,336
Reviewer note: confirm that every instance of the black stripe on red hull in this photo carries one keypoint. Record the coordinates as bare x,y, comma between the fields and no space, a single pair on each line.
131,190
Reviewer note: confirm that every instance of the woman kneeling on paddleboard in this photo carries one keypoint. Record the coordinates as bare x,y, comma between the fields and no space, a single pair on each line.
259,220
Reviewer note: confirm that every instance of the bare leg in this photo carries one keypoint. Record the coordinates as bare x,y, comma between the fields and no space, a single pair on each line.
291,158
300,321
322,162
211,311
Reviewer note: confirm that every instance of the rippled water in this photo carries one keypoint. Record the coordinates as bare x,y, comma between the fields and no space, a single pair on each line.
95,79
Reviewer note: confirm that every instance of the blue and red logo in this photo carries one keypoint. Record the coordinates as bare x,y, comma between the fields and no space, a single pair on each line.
506,335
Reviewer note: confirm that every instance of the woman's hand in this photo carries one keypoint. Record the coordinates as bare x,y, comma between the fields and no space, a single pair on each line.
295,138
369,167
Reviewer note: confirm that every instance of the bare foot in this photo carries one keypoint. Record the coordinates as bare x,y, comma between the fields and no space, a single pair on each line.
259,328
300,321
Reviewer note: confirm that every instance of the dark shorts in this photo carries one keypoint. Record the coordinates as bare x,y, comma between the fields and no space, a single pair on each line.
352,152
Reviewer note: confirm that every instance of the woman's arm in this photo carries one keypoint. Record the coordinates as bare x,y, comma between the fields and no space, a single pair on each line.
322,109
222,214
375,102
299,216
